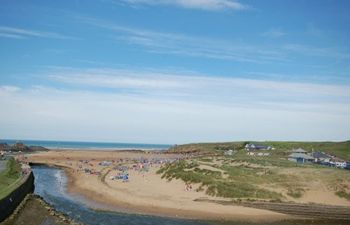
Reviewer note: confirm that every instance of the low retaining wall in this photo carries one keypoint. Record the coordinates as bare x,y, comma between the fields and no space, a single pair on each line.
10,202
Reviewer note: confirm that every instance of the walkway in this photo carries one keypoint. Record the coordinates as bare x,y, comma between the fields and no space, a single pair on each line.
2,165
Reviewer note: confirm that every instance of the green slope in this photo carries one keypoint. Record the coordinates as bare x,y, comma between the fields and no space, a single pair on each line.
339,149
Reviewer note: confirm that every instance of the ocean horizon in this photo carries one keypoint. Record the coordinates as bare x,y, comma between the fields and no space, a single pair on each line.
85,145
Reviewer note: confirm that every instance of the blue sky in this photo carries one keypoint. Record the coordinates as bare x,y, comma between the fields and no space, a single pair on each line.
161,71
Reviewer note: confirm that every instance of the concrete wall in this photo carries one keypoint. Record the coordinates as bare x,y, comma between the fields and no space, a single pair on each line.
10,202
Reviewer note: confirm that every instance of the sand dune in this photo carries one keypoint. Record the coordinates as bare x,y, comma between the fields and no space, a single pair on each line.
145,192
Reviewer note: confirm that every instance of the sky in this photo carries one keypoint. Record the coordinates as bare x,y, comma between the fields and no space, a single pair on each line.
175,71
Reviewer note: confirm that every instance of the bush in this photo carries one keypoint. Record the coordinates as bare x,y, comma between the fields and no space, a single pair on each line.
296,193
216,185
343,194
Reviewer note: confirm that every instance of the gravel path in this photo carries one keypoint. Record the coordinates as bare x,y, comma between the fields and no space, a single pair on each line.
2,165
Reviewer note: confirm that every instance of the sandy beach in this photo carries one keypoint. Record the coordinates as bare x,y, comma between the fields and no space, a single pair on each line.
144,192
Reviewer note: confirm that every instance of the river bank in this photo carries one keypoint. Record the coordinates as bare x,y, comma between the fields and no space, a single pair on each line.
145,192
98,179
16,181
33,210
76,208
51,186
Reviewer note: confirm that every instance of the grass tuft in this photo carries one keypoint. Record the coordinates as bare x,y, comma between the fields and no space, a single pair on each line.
9,176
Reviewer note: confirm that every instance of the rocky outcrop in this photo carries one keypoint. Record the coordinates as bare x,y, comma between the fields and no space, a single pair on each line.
4,147
20,147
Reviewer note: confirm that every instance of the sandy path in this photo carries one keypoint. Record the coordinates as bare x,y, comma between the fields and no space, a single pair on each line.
145,192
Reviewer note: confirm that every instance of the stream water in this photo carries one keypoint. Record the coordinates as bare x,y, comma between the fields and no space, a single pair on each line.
50,183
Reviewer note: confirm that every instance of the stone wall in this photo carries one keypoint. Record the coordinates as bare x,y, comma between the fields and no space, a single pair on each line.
10,202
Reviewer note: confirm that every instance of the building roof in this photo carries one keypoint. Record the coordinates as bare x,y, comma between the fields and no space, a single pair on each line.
300,155
256,146
299,150
320,155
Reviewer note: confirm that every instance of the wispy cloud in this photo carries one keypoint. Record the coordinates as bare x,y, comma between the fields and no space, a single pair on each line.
274,33
8,35
9,88
83,113
181,44
211,5
149,105
20,33
187,45
325,52
203,88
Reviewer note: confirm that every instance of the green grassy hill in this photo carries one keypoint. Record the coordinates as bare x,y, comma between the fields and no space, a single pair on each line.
9,177
339,149
269,178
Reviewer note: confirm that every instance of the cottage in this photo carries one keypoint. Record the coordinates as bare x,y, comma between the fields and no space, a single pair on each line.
321,157
300,158
253,147
258,153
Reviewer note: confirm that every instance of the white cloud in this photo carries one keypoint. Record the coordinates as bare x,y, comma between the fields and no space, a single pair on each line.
170,81
109,78
108,104
211,5
9,89
92,115
20,33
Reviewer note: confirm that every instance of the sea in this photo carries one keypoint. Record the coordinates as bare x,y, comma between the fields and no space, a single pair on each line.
88,145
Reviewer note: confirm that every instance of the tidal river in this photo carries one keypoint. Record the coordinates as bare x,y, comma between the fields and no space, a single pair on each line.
50,183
